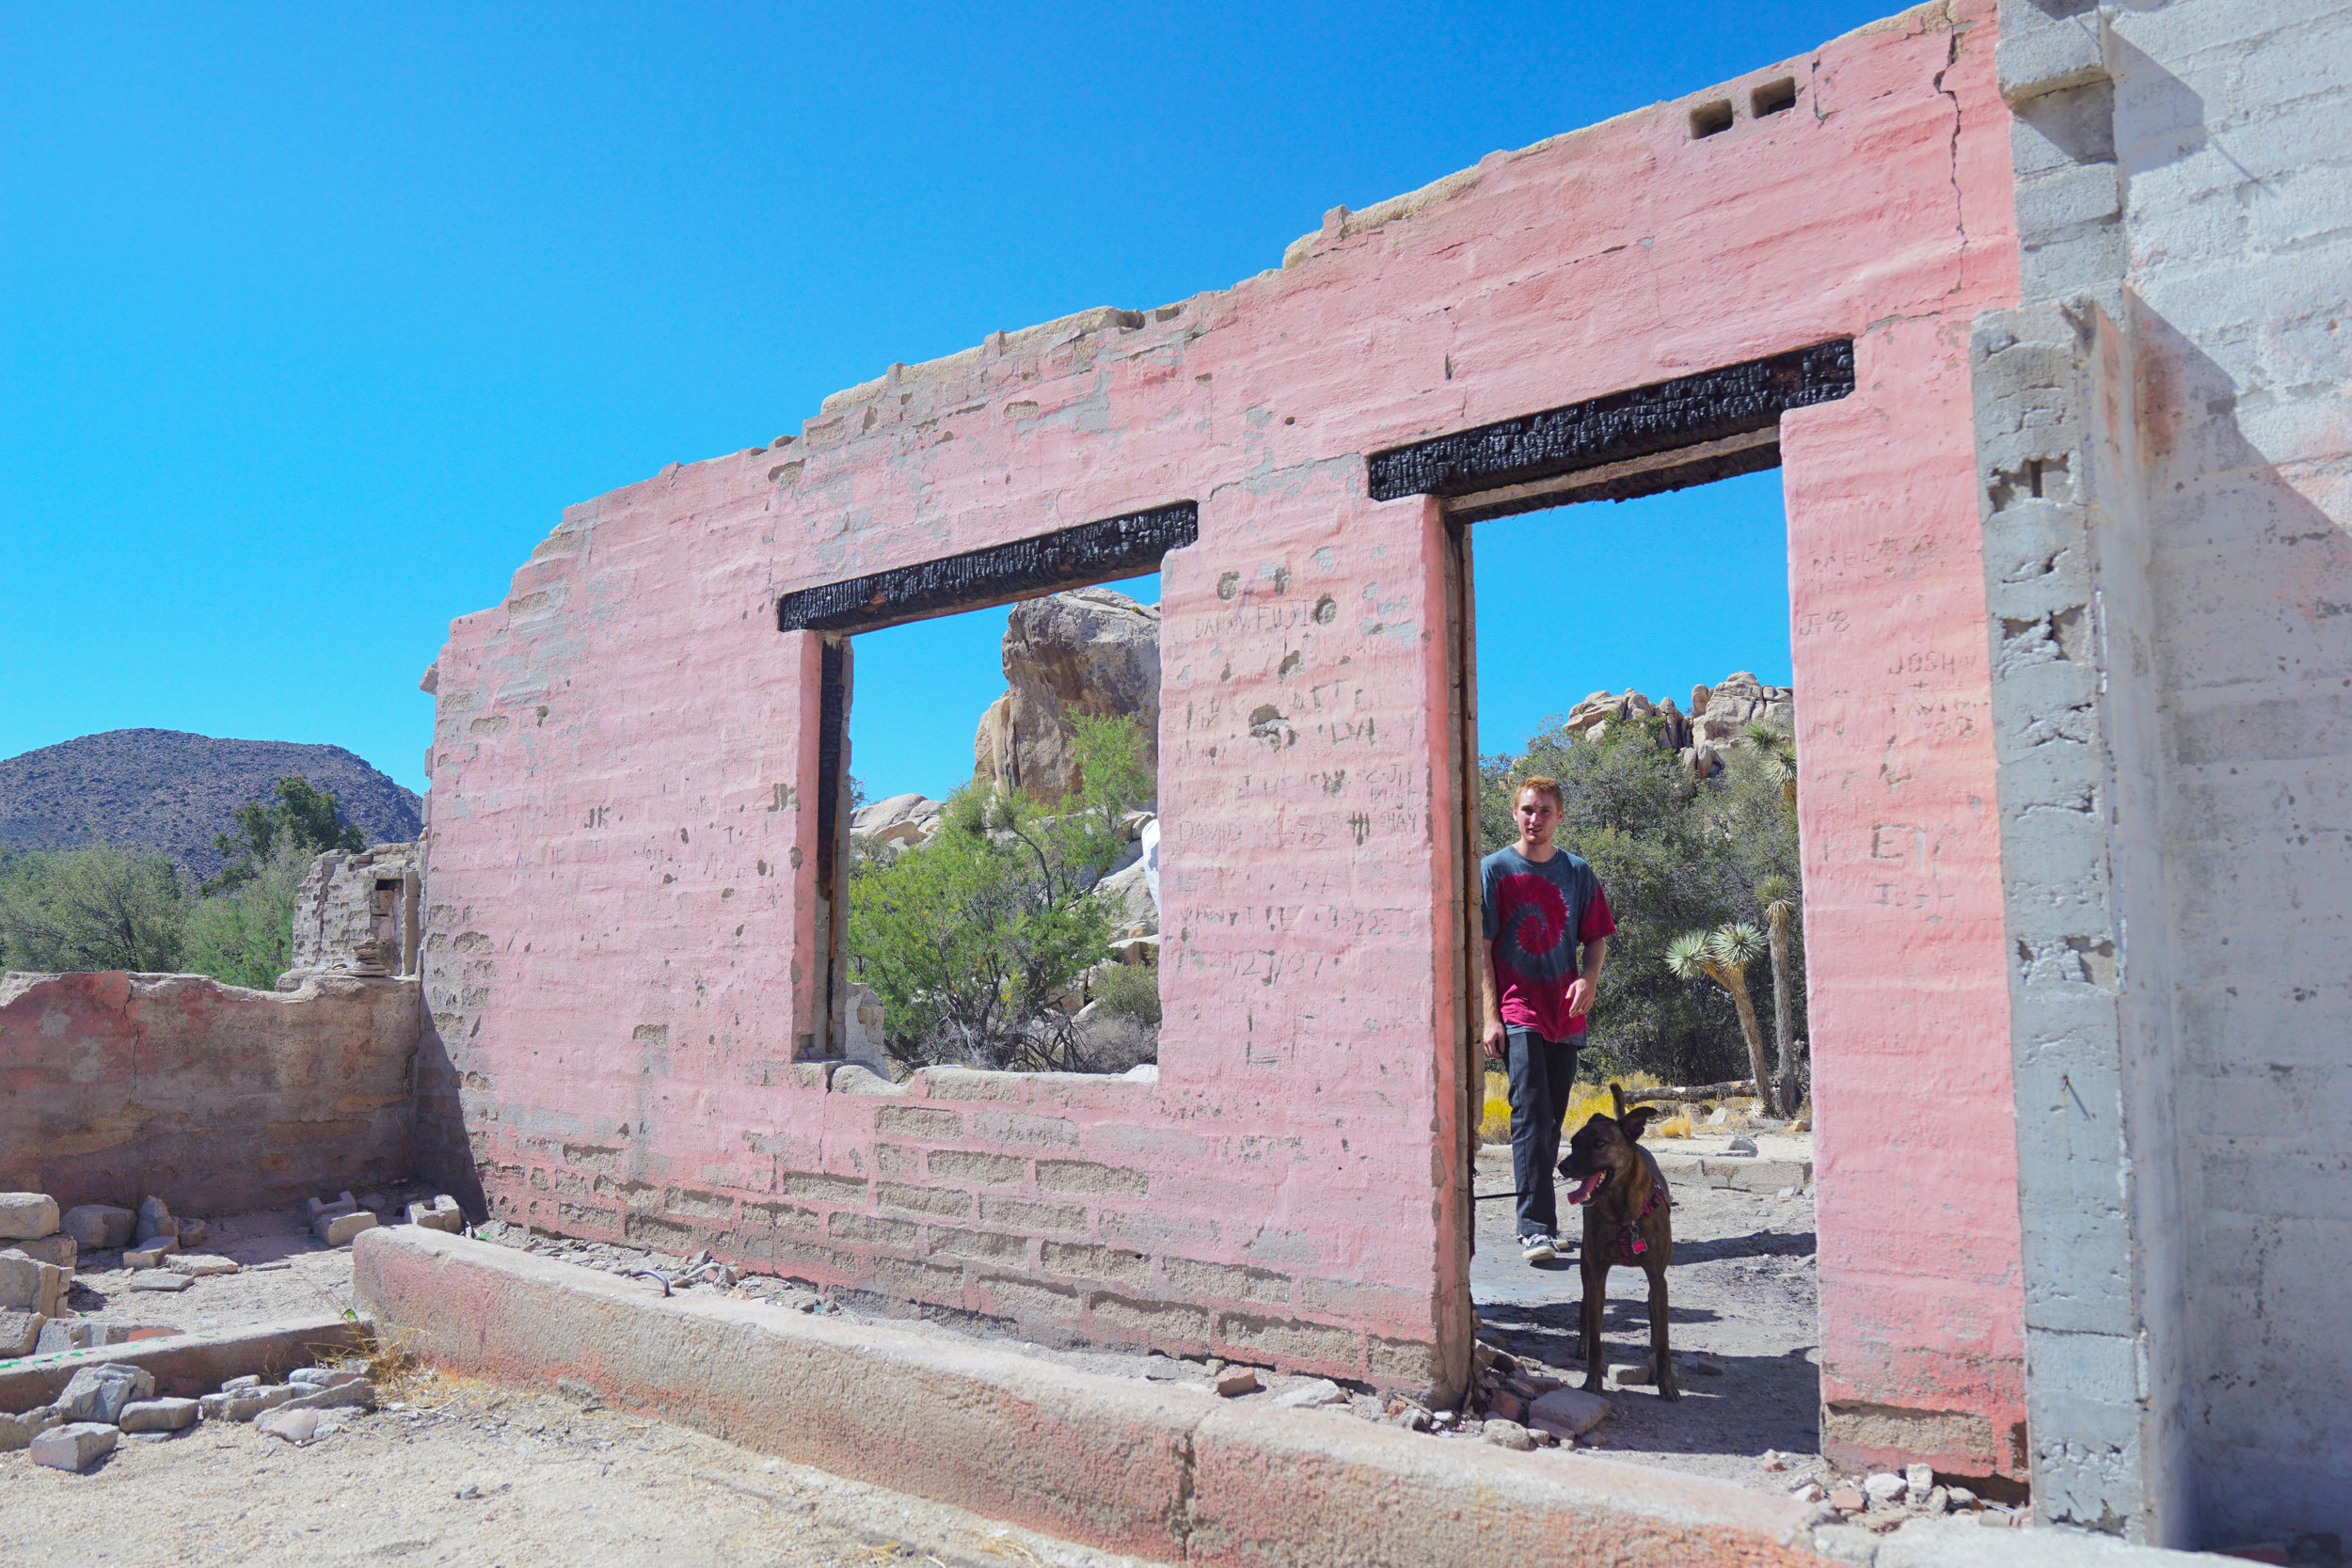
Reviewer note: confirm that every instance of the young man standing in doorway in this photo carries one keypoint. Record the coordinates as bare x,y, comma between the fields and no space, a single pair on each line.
1546,936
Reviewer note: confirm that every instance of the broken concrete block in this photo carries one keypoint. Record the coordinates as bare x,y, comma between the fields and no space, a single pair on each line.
1883,1487
17,1432
239,1384
1569,1412
351,1390
243,1404
158,1279
59,1249
75,1446
442,1213
63,1333
344,1203
200,1265
97,1225
192,1233
98,1393
150,1253
1631,1374
297,1427
1310,1395
1236,1381
25,1216
29,1285
20,1332
336,1229
1509,1434
155,1220
157,1415
1918,1481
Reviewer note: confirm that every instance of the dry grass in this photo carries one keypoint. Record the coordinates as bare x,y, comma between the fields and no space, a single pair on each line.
1494,1127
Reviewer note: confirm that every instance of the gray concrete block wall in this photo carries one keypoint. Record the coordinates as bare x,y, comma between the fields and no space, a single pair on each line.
2226,261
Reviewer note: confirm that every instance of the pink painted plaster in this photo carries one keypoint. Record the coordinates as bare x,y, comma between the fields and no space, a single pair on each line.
620,948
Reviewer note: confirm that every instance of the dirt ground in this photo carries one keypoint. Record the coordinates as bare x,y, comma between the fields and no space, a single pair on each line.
463,1472
1742,1296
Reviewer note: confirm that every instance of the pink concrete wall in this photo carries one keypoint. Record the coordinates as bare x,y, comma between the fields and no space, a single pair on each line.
621,945
114,1087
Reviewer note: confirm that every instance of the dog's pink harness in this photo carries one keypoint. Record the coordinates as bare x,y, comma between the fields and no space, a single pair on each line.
1630,1245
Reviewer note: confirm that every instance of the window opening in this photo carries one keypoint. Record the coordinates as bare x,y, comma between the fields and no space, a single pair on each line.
1774,98
1711,119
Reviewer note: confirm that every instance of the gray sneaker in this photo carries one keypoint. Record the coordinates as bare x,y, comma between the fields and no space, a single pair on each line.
1538,1248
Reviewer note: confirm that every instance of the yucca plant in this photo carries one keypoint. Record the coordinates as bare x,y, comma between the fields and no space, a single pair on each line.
1779,895
1722,956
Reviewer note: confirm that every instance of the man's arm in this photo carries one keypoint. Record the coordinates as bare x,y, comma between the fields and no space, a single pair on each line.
1586,986
1492,1036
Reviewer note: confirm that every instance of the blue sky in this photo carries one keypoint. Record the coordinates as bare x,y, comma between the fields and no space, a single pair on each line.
313,319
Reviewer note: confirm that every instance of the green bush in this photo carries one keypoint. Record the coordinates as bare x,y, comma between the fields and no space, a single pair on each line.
972,939
1130,991
105,907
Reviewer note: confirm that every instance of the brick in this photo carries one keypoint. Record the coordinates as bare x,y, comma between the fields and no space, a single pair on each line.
1228,1281
75,1446
1004,1127
26,1216
998,1170
919,1121
1287,1343
918,1279
1085,1176
157,1415
826,1189
1028,1301
983,1245
1383,1304
780,1216
873,1230
1084,1261
1156,1231
896,1160
942,1201
1162,1325
952,1083
1065,1217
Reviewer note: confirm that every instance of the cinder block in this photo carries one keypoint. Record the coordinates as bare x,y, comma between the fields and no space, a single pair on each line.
20,1332
1085,1176
98,1393
442,1213
29,1285
158,1416
60,1249
16,1431
944,1202
1109,1265
1013,1214
1004,1127
996,1170
2061,54
336,1229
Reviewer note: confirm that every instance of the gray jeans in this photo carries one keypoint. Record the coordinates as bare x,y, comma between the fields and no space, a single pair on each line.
1543,1075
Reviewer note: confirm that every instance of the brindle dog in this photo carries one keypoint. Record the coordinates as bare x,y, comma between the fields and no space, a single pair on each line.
1627,1219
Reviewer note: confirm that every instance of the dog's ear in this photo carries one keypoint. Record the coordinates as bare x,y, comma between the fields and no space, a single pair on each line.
1631,1123
1616,1100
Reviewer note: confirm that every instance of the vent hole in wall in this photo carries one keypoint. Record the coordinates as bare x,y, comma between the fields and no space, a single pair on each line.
1709,119
1774,98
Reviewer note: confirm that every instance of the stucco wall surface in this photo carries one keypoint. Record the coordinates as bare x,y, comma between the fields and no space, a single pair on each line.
214,1097
620,946
2185,179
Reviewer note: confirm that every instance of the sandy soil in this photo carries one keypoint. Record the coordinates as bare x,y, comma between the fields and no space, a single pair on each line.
548,1484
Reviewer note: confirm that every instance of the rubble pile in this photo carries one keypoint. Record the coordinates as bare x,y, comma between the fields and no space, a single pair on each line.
100,1405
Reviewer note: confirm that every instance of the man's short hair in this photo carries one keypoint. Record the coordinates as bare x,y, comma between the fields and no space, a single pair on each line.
1542,784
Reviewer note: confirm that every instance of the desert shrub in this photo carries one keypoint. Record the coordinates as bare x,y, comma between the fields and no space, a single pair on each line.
1130,991
245,936
100,908
972,940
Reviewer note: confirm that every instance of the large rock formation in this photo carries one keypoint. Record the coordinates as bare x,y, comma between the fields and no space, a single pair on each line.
1718,721
1091,650
175,792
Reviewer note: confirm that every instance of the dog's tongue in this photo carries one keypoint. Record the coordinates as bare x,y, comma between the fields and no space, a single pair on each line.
1585,1190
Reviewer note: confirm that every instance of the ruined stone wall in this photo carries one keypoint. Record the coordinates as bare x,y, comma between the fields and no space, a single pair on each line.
355,913
214,1097
2168,576
621,941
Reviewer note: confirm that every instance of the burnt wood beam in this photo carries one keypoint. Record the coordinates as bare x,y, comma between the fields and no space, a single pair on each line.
1072,557
1688,411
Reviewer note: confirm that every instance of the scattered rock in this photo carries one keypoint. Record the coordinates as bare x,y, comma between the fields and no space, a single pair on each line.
1960,1497
343,1203
65,1334
150,1253
192,1233
200,1265
1774,1460
25,1216
374,1201
297,1427
158,1279
1313,1395
158,1415
243,1404
16,1431
1505,1406
1745,1147
1935,1501
1918,1480
1571,1412
1088,650
1807,1491
1849,1500
98,1226
60,1249
336,1229
1883,1487
75,1446
239,1384
155,1220
900,819
1786,1192
1633,1374
1847,1543
349,1390
1236,1382
1509,1434
98,1393
579,1393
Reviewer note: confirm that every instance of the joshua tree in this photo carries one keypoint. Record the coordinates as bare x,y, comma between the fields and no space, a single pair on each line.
1776,748
1779,897
1722,956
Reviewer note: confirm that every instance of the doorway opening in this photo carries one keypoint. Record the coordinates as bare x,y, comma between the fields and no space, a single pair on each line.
1639,653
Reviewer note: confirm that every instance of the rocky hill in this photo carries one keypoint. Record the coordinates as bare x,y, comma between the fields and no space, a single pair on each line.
174,791
1718,721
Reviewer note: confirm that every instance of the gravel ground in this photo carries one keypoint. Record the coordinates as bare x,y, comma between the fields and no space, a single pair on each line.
464,1472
